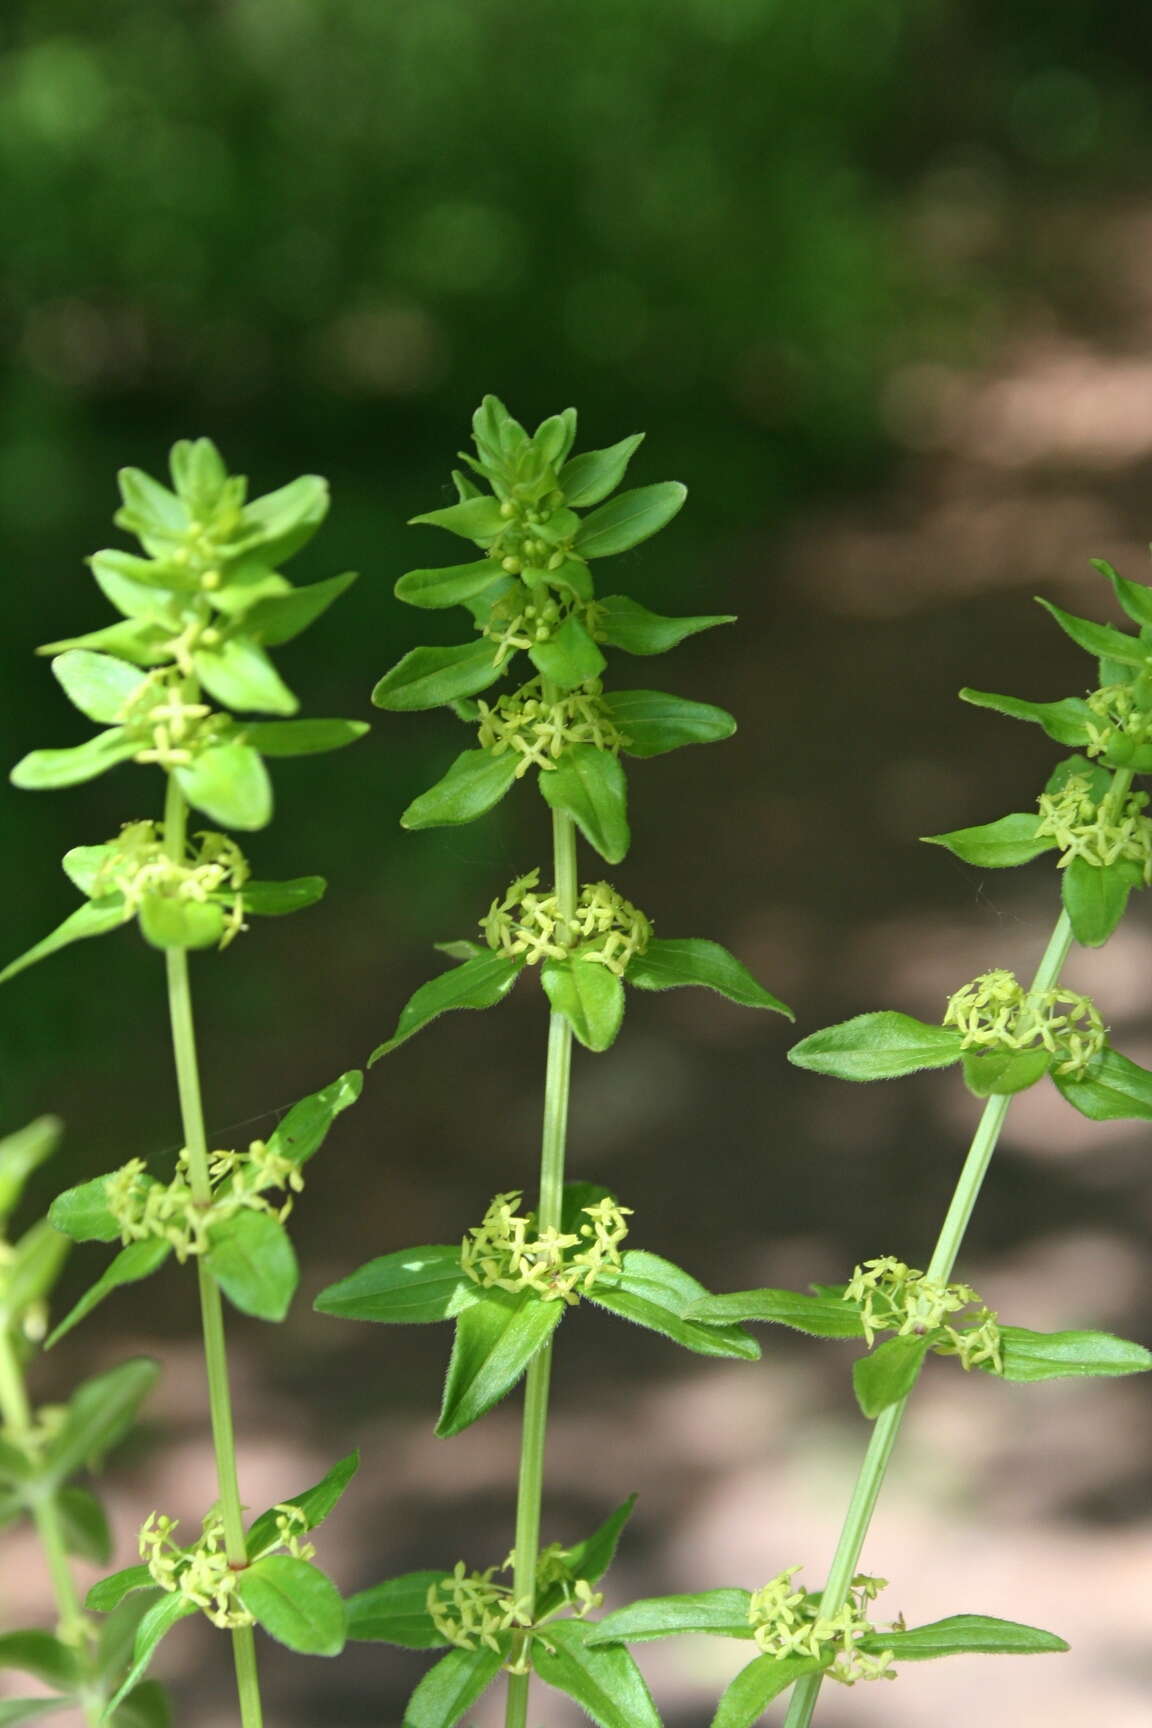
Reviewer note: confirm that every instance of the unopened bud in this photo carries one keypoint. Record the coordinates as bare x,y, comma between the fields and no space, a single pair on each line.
512,565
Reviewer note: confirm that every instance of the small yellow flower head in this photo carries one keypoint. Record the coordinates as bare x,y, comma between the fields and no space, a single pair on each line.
507,1252
995,1012
144,1207
538,731
788,1621
201,1572
895,1297
606,930
1084,829
140,867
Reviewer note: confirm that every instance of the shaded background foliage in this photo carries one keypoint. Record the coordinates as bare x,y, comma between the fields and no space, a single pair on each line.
874,275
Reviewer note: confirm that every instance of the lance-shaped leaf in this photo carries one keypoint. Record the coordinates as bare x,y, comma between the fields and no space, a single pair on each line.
97,684
303,737
495,1340
435,589
1134,597
172,1607
589,785
590,997
1029,1356
82,1213
723,1613
240,675
654,723
16,1710
111,1591
32,1271
146,1706
669,963
117,1633
99,1413
818,1316
474,784
396,1612
282,521
569,657
996,845
86,1531
962,1635
230,783
300,1134
629,518
624,623
588,478
478,519
39,1653
877,1047
295,1603
252,1259
1068,722
44,770
412,1287
278,899
1095,896
656,1294
591,1558
138,1260
1000,1073
23,1152
140,641
604,1680
281,617
749,1695
452,1687
430,677
315,1503
891,1371
15,1466
1100,640
478,983
1112,1089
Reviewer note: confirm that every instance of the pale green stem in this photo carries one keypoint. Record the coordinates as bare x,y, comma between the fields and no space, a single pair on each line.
529,1495
211,1306
871,1478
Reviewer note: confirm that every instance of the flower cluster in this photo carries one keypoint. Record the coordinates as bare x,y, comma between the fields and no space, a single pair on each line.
469,1609
606,929
139,867
172,728
995,1012
1083,828
539,731
505,1250
202,1572
1124,720
143,1207
788,1622
894,1297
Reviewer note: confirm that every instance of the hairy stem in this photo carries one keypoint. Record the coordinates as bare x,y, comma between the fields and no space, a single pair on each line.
211,1305
870,1480
552,1146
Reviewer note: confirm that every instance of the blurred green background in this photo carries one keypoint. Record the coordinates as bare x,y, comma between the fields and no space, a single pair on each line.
874,276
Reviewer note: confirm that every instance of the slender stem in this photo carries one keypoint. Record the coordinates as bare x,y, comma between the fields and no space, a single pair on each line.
211,1306
872,1471
553,1142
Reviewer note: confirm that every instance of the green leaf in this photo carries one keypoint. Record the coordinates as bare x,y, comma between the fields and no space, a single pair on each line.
495,1340
15,1466
656,1294
430,677
452,1687
723,1613
253,1261
1029,1356
30,1274
281,617
589,478
754,1688
818,1316
240,675
171,1607
39,1653
412,1287
295,1603
230,783
605,1682
86,1532
277,899
149,505
590,997
479,983
877,1047
589,785
996,845
111,1591
99,1414
146,1706
82,1213
570,657
669,963
394,1612
301,1133
14,1710
479,519
1113,1089
22,1153
629,518
474,784
97,684
890,1372
1001,1073
432,590
655,723
95,919
1134,597
963,1635
315,1503
282,521
302,737
1095,896
624,623
1068,722
117,1632
44,770
139,1260
167,922
1100,640
591,1558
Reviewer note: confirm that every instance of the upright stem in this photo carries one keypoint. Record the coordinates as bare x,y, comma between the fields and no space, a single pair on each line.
211,1306
552,1147
872,1471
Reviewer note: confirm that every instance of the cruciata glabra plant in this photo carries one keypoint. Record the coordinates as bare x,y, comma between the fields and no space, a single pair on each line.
508,1283
1007,1037
200,608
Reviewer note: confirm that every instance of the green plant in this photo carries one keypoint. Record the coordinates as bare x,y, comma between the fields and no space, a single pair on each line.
200,609
41,1452
506,1287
